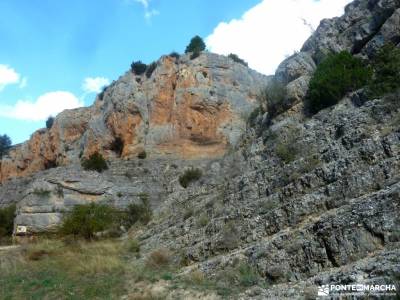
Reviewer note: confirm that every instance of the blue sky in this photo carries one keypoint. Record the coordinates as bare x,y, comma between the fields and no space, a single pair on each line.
50,47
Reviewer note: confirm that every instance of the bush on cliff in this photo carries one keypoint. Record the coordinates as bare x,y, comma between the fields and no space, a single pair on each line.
7,215
337,75
251,120
5,144
175,55
95,162
274,96
49,122
142,154
189,176
386,65
237,59
138,67
138,212
150,69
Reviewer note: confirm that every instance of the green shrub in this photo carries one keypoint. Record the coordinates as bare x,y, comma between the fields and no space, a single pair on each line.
337,75
7,215
274,96
150,69
248,275
101,94
386,65
49,122
133,246
286,151
95,162
5,144
309,164
253,115
237,59
189,176
203,220
138,67
175,55
230,236
87,219
286,147
189,211
142,155
233,279
138,212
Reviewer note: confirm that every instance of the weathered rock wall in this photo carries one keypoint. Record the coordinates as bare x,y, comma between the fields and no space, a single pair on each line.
186,109
303,222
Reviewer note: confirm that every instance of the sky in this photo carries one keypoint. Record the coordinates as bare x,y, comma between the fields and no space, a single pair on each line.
57,55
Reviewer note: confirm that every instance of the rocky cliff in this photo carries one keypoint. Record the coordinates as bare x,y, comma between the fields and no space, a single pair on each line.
305,201
186,108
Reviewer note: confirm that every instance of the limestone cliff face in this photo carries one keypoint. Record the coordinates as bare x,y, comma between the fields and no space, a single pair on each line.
186,109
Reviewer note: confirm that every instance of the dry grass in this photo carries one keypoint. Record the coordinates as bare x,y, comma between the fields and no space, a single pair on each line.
107,269
77,258
38,250
197,277
94,258
145,291
51,269
158,259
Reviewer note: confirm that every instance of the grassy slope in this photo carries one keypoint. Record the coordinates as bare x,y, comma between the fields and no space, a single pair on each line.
109,269
52,270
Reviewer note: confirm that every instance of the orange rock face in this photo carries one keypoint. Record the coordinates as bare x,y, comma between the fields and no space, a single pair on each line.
124,126
46,148
187,108
195,122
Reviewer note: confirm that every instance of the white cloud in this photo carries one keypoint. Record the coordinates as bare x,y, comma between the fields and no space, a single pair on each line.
49,104
94,85
271,30
151,13
8,76
148,12
145,3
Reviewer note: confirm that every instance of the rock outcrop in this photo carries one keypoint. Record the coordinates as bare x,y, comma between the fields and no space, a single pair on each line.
362,30
186,109
365,27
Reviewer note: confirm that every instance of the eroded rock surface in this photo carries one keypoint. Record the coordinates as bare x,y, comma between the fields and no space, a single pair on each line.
187,109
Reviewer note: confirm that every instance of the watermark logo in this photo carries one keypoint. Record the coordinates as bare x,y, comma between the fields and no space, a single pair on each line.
357,290
323,290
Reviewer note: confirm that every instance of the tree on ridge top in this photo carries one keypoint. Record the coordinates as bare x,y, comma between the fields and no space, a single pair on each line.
5,144
196,45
